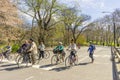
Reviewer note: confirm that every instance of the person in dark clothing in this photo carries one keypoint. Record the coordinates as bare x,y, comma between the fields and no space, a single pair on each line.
23,50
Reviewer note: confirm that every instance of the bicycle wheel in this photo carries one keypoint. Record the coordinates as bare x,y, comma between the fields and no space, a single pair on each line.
76,60
37,60
17,57
10,57
46,54
54,60
1,57
22,62
67,62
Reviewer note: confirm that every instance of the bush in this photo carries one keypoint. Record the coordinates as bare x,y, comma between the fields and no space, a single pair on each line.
15,47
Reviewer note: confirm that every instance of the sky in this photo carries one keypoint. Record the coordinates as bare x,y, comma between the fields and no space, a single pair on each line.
94,8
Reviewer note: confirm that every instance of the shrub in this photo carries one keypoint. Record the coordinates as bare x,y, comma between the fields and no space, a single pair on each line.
15,47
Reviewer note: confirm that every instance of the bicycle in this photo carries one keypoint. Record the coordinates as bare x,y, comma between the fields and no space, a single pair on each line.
57,58
24,60
46,56
7,56
18,56
71,60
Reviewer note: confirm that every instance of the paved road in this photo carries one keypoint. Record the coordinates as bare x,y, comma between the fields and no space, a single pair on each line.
101,69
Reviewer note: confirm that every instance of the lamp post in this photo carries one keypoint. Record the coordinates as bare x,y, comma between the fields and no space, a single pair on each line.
114,31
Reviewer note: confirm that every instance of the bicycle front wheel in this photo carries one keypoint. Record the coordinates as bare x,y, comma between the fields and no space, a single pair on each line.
67,62
17,57
10,57
22,62
54,60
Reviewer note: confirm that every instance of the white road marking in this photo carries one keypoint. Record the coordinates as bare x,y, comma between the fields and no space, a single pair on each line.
36,66
31,77
48,68
43,68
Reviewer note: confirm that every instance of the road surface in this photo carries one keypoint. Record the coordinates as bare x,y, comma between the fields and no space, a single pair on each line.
101,69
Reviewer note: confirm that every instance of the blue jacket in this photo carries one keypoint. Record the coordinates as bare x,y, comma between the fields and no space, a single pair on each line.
91,48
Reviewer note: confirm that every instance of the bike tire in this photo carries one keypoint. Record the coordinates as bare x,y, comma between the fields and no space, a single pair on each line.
22,63
17,57
54,60
67,61
46,54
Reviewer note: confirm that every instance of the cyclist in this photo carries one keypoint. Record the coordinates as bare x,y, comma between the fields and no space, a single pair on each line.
41,50
8,49
32,51
23,50
59,50
73,48
91,51
24,47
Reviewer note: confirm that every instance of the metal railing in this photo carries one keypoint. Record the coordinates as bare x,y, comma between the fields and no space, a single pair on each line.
115,59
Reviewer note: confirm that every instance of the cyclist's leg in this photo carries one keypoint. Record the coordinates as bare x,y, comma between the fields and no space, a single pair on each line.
25,57
32,58
42,54
74,56
63,55
91,56
39,55
71,57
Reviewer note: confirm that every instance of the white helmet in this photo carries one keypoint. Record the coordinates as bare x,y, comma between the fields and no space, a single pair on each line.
60,42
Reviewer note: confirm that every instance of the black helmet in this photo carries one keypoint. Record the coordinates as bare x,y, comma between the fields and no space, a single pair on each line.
31,39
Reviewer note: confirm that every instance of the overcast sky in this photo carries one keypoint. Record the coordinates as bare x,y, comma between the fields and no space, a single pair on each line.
94,8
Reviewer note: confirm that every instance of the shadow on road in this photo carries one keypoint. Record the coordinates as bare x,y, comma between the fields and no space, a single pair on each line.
59,69
44,66
86,63
11,67
7,65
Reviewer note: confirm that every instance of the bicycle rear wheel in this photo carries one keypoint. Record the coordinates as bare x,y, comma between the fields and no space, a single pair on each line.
46,54
10,57
54,60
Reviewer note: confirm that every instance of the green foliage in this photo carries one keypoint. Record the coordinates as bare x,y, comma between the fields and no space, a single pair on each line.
15,47
81,40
